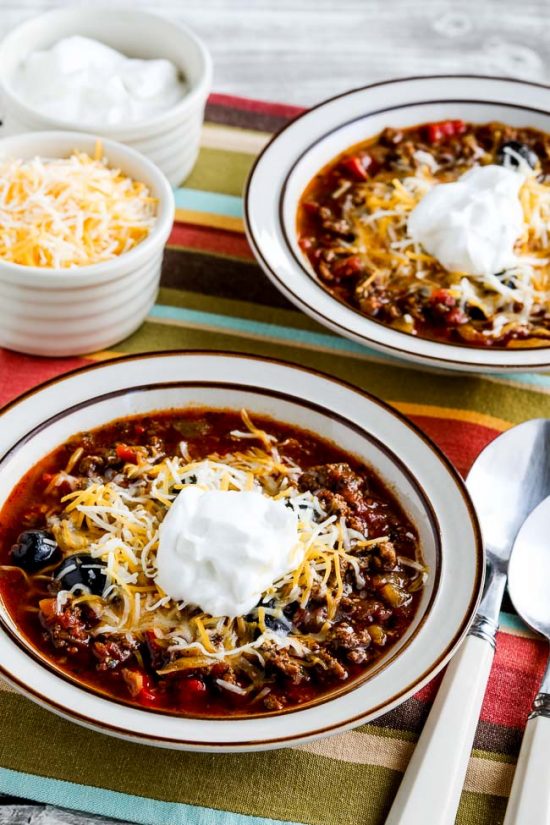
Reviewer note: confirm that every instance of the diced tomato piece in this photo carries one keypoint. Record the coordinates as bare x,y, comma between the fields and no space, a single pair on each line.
435,132
126,454
48,609
139,685
139,429
310,207
305,244
191,689
146,694
47,477
358,166
443,297
455,317
347,267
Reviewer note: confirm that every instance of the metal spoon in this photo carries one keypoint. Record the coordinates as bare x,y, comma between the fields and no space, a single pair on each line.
508,479
529,587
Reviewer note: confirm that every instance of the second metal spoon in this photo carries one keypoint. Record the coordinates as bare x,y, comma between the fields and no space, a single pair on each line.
529,587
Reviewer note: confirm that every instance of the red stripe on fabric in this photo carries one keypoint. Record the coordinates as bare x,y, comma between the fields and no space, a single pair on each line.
217,241
462,442
515,678
19,373
248,105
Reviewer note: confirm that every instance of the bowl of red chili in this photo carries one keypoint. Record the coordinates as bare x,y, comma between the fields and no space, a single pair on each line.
375,593
412,216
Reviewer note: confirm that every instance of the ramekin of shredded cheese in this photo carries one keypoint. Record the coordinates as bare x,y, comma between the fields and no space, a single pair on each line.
83,224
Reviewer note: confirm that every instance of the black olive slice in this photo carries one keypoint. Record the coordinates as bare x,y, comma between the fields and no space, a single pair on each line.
82,569
34,549
516,148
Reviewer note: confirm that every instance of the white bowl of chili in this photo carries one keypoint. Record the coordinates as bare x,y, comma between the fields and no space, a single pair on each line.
197,391
328,204
100,255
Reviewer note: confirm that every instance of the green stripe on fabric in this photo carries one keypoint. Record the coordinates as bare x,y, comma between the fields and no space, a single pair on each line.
220,171
212,202
118,805
291,785
399,382
480,809
491,756
387,733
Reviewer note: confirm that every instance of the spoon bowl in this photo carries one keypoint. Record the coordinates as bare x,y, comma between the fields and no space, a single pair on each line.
508,479
529,570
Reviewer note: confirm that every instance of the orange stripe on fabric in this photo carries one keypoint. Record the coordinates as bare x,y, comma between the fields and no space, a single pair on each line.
210,219
469,416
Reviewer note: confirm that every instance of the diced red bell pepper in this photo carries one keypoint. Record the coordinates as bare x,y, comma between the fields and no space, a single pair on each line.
435,132
358,166
126,454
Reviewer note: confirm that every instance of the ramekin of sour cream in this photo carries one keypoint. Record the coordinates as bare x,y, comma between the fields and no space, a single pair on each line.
125,75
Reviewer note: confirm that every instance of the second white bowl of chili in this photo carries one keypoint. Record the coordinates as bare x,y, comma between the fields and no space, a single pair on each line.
328,214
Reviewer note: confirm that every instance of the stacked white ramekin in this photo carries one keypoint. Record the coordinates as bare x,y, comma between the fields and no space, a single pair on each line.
170,139
60,312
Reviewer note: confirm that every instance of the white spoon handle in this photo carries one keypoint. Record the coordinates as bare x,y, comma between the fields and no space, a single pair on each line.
432,784
529,802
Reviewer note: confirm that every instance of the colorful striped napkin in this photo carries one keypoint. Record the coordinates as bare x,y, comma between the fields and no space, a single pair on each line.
214,296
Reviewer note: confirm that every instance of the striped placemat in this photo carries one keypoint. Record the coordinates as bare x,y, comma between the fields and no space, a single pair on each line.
214,296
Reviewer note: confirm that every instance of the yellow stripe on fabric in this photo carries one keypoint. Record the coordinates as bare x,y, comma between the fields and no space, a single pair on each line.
485,775
211,220
470,416
104,355
233,139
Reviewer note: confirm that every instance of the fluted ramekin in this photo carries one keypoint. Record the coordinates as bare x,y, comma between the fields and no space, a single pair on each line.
171,138
61,312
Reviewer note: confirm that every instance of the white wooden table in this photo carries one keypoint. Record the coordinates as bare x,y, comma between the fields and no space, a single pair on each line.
301,51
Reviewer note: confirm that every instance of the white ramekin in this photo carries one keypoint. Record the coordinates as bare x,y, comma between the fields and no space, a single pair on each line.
60,312
170,139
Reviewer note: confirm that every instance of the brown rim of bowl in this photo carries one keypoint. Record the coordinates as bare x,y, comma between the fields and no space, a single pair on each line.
440,361
393,700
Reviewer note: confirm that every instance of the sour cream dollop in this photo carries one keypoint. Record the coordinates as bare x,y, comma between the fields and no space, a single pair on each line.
472,224
220,550
80,79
